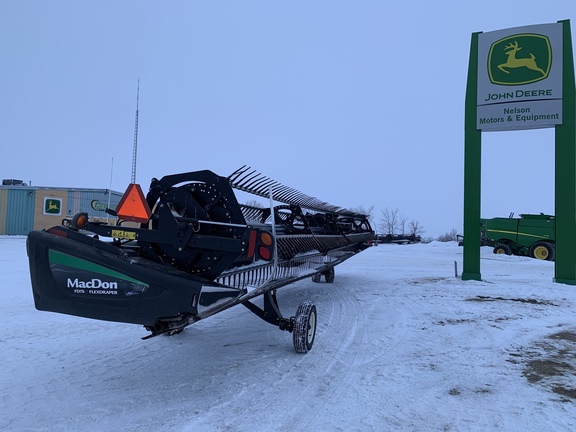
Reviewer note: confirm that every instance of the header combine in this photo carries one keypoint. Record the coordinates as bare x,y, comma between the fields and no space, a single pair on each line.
196,252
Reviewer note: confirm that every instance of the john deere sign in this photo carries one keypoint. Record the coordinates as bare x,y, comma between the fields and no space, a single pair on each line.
520,78
505,68
52,206
100,206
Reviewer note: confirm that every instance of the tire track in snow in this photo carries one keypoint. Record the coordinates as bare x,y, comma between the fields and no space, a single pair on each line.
293,398
342,316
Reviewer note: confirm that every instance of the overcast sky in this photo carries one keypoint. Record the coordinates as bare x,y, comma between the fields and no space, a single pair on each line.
358,103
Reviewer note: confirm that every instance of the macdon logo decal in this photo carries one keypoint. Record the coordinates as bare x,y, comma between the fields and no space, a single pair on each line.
94,283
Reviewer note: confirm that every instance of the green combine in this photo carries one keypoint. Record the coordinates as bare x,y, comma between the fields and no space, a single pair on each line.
529,235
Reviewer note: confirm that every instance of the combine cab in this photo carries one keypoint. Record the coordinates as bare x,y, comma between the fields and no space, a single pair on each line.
528,235
196,252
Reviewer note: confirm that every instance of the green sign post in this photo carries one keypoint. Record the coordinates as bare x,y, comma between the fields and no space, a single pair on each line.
522,78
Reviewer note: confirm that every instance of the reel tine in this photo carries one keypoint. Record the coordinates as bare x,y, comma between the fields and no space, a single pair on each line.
232,177
251,181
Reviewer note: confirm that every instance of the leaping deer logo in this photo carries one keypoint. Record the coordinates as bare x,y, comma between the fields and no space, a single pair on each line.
512,62
52,206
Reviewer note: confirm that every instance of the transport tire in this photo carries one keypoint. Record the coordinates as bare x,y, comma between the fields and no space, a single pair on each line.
316,277
501,249
304,331
329,275
543,250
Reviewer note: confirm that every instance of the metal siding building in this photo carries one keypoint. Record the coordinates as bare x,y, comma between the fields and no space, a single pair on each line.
92,201
3,208
20,211
27,208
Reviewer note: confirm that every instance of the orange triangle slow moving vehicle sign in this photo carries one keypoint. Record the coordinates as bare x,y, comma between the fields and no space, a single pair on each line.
133,205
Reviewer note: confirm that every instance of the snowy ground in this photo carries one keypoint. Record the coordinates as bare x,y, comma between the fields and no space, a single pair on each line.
402,345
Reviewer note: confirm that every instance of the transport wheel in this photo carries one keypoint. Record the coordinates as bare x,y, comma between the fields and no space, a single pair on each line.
304,327
316,277
329,275
502,249
543,250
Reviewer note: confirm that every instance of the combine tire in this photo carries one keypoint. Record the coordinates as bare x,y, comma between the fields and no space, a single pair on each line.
501,249
304,327
543,250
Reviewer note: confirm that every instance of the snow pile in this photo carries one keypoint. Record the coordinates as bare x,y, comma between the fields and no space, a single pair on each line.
402,345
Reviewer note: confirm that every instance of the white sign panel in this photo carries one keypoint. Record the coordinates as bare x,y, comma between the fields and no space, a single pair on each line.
520,78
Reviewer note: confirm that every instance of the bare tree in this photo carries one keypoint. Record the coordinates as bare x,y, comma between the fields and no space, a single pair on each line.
389,222
254,203
402,221
449,236
415,227
364,211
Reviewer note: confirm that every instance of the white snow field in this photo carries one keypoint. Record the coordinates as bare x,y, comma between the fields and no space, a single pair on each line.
402,345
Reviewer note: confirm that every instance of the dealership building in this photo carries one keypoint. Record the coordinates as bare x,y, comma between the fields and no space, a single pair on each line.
24,208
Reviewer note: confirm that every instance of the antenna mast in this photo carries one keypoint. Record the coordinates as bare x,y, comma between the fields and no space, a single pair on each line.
135,149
